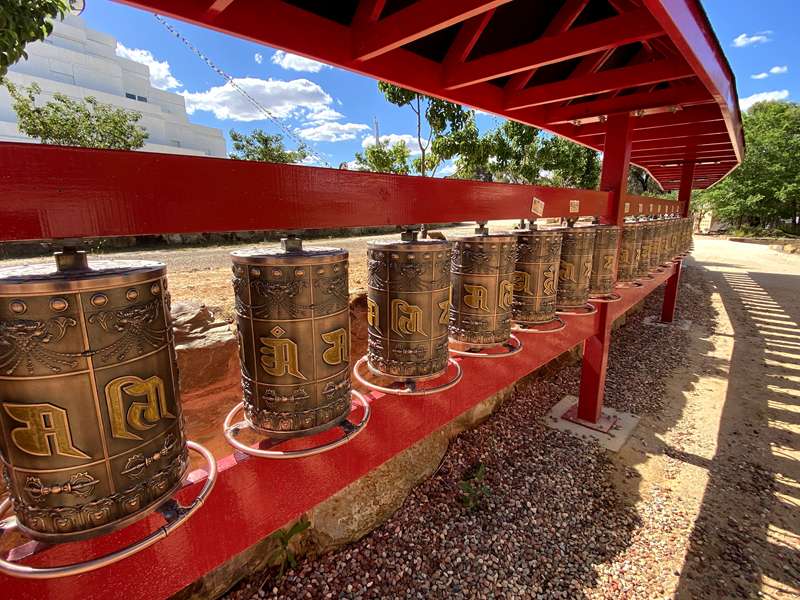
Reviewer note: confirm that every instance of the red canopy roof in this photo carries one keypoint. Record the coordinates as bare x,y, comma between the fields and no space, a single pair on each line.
561,65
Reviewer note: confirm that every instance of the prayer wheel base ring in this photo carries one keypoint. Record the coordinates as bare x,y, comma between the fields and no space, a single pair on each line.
348,432
553,326
646,277
410,388
175,515
579,311
610,297
628,284
508,348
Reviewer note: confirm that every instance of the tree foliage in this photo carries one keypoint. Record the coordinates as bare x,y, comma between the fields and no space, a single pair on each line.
66,122
25,21
382,158
765,189
440,116
263,147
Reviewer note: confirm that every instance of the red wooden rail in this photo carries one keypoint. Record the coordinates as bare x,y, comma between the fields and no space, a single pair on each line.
57,192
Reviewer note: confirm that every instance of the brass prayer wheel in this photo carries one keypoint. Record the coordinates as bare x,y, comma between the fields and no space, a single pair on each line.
663,241
92,432
408,307
293,323
536,276
629,251
643,266
575,268
655,245
604,262
482,276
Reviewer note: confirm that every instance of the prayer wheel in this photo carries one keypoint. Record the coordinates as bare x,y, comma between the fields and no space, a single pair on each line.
293,321
629,251
654,256
482,276
408,313
643,264
604,264
92,429
575,270
536,278
663,239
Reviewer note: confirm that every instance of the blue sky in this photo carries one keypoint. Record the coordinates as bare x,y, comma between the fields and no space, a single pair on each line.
333,110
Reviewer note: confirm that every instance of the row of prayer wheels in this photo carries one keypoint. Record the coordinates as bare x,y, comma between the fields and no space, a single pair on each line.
91,421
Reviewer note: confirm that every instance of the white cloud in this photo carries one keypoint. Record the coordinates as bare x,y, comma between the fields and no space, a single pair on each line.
160,75
742,40
779,70
283,99
759,76
746,103
447,169
323,114
392,138
293,62
258,57
332,132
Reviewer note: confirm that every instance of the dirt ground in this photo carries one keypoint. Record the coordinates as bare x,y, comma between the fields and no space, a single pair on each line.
725,449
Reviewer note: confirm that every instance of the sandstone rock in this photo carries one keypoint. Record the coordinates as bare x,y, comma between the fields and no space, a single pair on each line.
207,348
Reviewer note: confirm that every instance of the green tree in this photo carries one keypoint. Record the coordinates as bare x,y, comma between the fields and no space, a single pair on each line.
381,158
441,116
66,122
640,183
263,147
569,164
765,189
25,21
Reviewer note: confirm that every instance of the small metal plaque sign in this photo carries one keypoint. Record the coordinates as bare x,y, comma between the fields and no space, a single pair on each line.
659,208
651,208
641,207
537,206
574,206
627,207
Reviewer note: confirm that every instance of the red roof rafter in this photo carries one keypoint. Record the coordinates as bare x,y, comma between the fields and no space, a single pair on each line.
414,22
580,41
564,66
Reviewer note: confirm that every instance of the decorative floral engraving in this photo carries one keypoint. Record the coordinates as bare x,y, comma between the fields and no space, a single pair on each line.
330,293
80,484
280,298
135,323
23,341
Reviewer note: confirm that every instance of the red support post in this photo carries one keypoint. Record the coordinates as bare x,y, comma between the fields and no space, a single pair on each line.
614,179
671,292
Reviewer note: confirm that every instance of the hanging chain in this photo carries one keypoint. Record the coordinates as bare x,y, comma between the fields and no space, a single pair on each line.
260,107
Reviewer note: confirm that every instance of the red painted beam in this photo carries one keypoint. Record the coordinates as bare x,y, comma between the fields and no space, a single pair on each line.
563,20
676,96
687,26
466,38
713,140
48,192
687,116
217,6
587,39
663,133
414,22
598,83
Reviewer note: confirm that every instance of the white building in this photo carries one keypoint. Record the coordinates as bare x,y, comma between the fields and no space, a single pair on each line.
79,62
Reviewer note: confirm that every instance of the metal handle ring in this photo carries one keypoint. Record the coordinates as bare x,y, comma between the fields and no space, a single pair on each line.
540,327
513,345
409,390
579,311
181,516
230,430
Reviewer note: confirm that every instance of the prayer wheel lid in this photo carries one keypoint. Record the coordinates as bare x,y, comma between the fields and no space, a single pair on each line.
71,271
291,251
427,244
497,236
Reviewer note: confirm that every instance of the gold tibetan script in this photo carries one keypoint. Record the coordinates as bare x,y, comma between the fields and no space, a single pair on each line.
46,430
522,282
477,297
140,416
373,319
549,283
608,265
279,357
567,271
444,306
337,353
506,294
406,318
